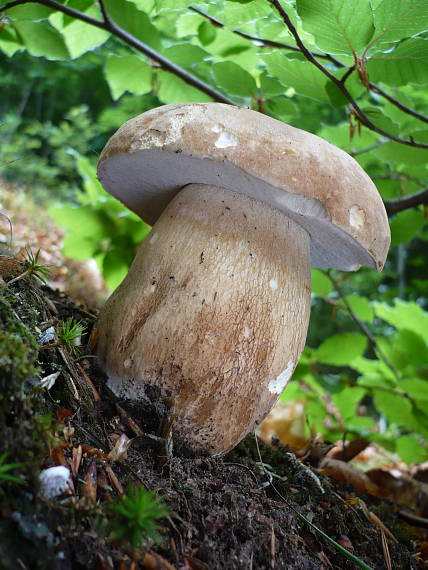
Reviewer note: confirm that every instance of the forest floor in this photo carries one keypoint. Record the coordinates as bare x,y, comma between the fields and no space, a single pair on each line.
256,508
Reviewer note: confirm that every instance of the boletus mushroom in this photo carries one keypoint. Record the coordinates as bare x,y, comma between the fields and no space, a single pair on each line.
215,308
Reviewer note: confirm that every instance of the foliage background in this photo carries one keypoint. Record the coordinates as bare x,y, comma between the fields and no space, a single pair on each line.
66,86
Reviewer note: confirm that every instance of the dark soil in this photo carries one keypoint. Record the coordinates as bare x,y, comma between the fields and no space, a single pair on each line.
228,513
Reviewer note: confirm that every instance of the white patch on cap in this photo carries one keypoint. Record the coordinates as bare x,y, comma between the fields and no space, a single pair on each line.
153,239
128,363
357,217
153,288
216,129
277,385
226,140
273,284
246,332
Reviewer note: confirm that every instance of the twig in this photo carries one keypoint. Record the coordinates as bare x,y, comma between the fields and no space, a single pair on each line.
243,467
397,103
364,329
411,201
377,144
110,26
362,117
264,42
413,519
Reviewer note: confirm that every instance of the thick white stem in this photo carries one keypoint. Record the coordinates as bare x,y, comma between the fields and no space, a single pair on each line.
214,312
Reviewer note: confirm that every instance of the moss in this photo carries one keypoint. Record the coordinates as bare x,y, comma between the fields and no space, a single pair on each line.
23,426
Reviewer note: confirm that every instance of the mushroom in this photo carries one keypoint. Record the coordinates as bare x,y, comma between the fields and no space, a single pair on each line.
214,311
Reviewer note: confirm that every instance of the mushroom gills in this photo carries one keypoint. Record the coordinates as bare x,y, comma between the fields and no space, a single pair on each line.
213,312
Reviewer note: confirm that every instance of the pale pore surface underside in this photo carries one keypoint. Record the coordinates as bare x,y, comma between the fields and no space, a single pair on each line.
214,311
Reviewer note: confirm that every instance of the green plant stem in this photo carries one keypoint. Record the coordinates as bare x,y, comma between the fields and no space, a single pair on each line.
364,329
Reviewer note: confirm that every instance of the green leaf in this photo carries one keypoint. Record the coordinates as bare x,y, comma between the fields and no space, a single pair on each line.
175,90
231,78
416,388
347,399
396,153
341,349
407,63
338,26
404,315
360,306
321,284
187,55
303,76
411,449
398,19
281,108
115,268
91,184
79,247
408,348
406,226
84,221
374,371
126,15
397,410
128,73
206,33
237,16
42,39
378,118
79,37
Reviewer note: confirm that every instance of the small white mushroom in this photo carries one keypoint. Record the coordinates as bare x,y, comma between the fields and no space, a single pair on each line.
215,313
55,481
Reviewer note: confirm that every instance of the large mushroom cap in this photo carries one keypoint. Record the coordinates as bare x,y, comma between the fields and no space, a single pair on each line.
151,157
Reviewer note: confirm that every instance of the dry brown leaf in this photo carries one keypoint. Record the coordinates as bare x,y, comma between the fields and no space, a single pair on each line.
120,448
114,480
76,459
154,561
341,471
90,486
286,422
349,451
57,456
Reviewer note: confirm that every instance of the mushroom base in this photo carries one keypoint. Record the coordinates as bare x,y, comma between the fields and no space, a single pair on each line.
213,312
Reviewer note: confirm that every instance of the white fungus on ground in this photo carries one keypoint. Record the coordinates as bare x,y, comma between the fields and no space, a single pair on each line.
54,481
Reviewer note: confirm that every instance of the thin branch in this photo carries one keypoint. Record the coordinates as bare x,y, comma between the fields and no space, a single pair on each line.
61,8
347,74
365,149
263,41
364,329
411,201
397,103
110,26
362,117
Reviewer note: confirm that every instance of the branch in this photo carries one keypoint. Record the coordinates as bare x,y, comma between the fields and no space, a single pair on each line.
364,329
397,103
362,117
263,41
110,26
412,201
368,148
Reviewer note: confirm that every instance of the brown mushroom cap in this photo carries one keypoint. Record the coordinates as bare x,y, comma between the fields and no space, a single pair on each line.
151,157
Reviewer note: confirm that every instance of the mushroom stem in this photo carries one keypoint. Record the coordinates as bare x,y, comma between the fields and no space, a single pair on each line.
213,312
